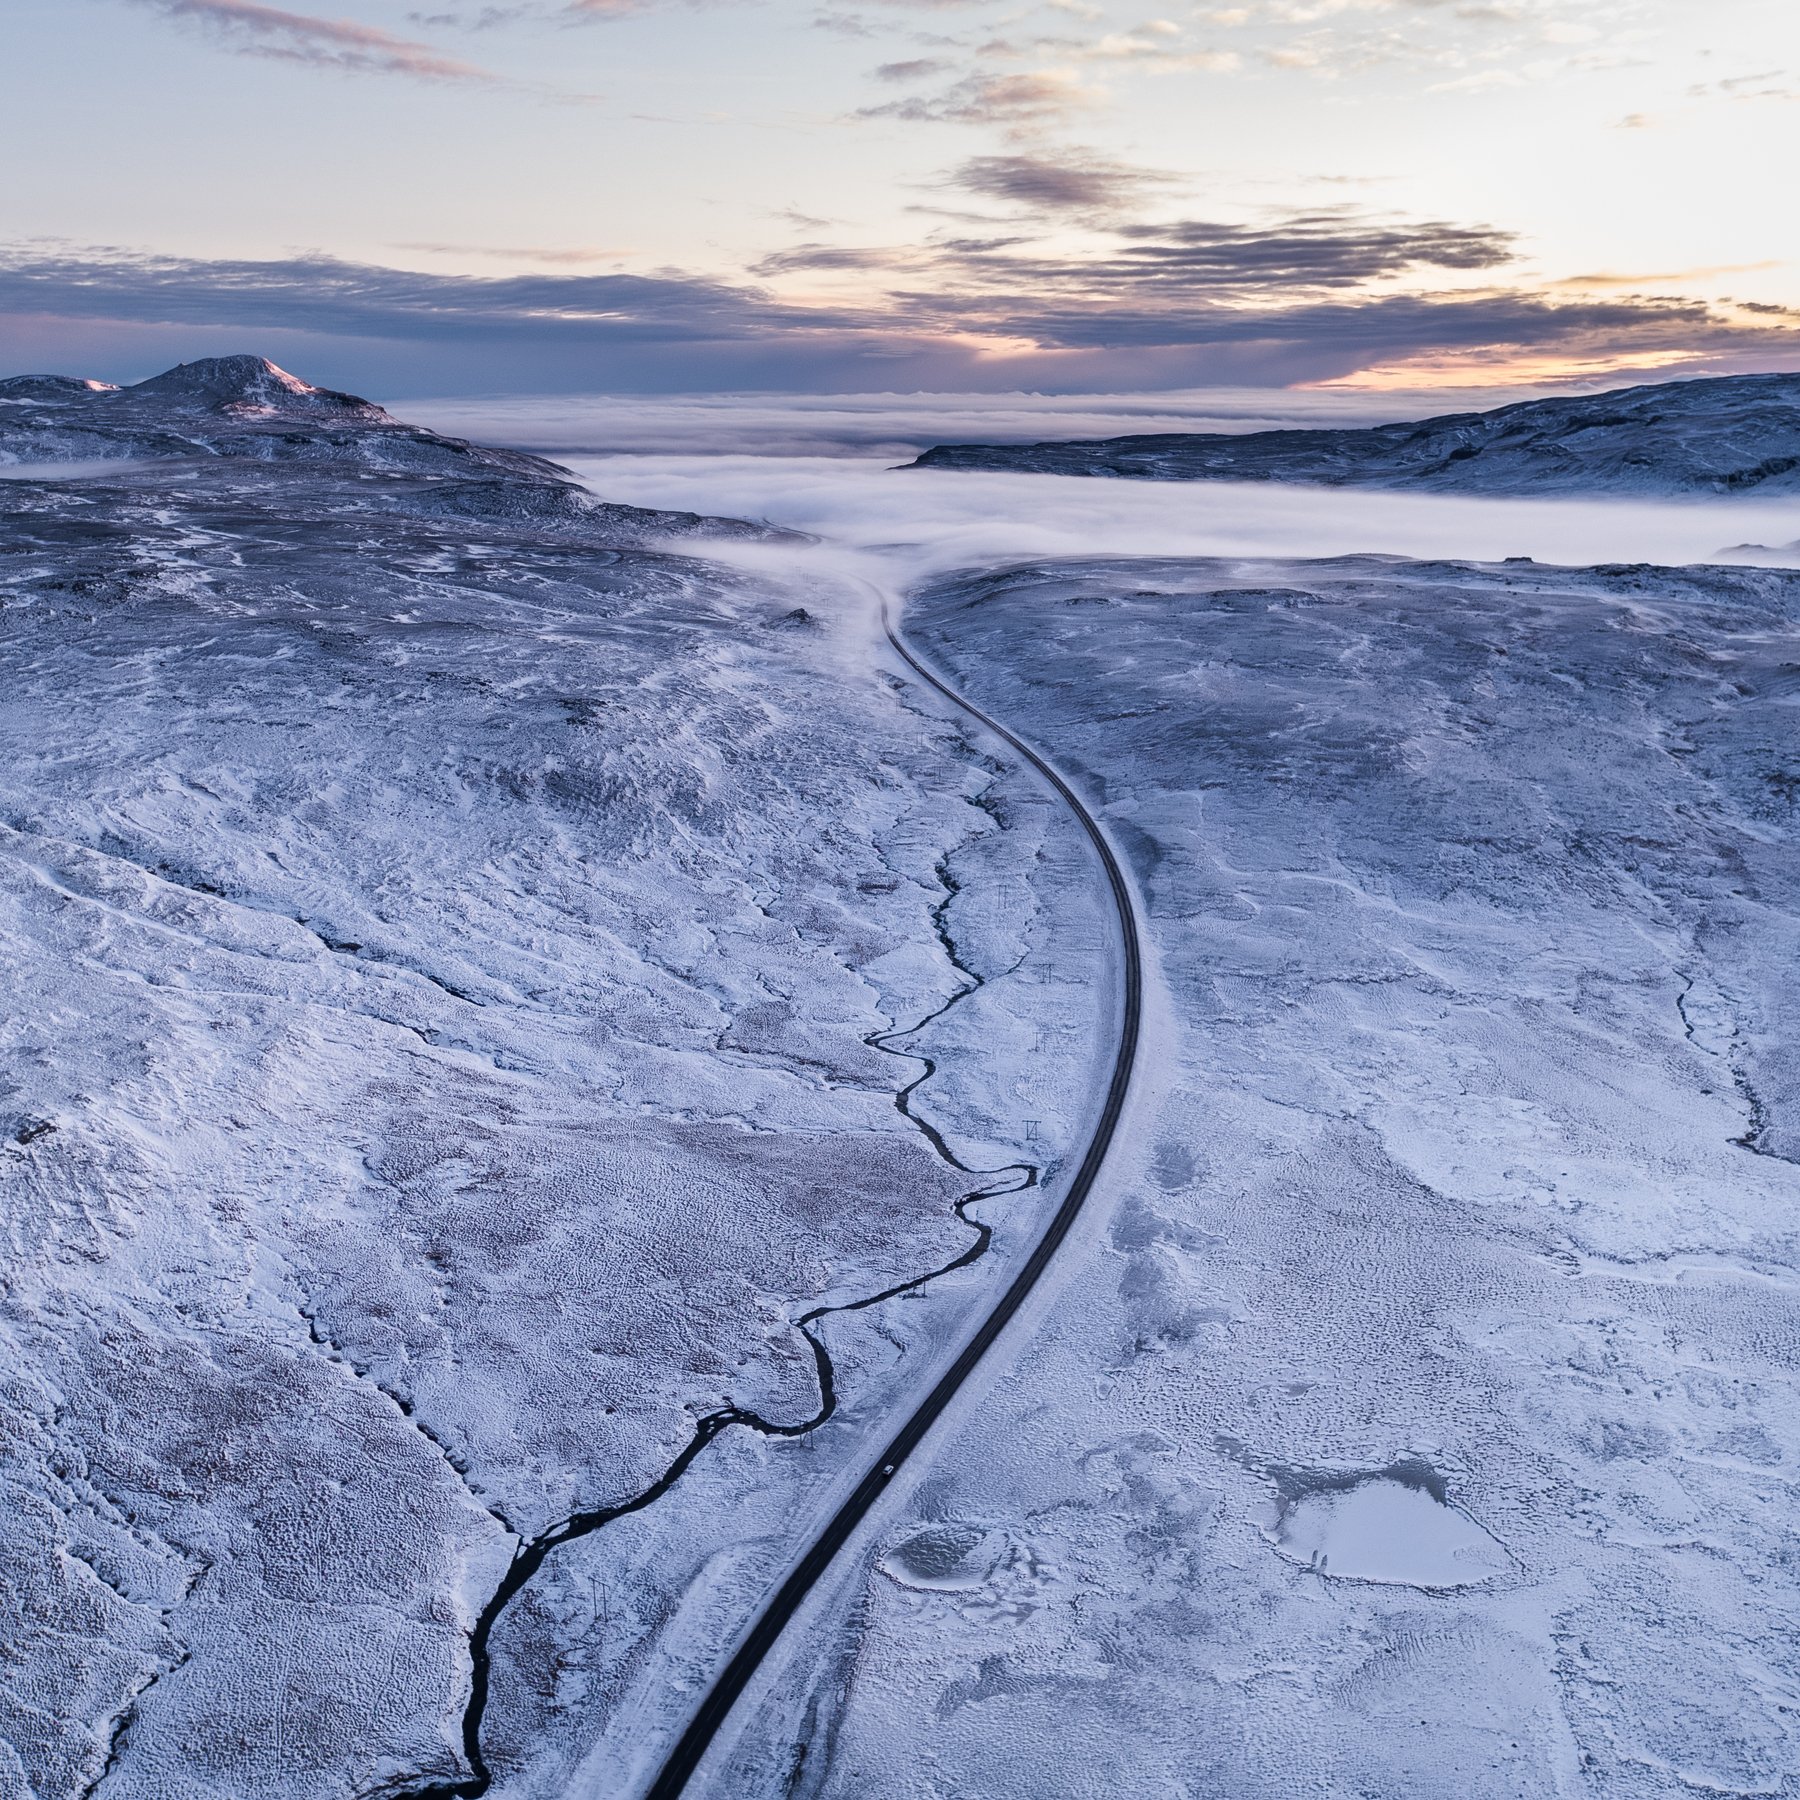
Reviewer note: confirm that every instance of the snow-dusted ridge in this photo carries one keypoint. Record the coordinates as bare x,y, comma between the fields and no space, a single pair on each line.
1734,435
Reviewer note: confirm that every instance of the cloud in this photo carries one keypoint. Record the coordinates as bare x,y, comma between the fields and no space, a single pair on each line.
1199,304
1484,81
810,257
1712,272
905,528
918,69
1475,42
1075,182
1331,247
990,100
887,425
251,29
1304,251
358,299
1157,47
561,12
1771,84
1352,331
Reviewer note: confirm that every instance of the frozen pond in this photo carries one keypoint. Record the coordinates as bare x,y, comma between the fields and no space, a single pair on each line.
1387,1530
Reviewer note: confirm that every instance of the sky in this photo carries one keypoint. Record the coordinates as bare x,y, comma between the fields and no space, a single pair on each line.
901,196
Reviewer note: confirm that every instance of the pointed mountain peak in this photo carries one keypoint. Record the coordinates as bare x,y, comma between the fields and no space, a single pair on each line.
248,385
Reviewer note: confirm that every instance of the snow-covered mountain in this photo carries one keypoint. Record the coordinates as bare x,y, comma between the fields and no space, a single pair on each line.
248,410
1728,435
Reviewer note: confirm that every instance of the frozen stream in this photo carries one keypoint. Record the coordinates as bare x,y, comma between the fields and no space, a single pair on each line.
531,1555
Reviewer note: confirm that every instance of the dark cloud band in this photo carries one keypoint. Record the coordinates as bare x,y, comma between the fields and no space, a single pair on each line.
1212,303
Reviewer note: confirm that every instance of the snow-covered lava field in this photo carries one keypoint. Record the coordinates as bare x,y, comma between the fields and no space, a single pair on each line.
538,1037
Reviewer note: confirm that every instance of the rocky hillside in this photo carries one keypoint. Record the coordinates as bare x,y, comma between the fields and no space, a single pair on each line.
1731,435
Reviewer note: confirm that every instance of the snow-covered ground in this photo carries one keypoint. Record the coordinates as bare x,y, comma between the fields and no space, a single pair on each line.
1426,1423
467,941
462,978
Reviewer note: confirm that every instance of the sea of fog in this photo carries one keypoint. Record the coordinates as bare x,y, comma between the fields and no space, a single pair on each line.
827,466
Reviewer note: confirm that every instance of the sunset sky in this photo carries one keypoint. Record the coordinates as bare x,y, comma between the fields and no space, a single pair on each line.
864,195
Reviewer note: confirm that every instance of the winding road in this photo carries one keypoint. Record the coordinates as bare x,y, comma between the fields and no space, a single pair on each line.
691,1749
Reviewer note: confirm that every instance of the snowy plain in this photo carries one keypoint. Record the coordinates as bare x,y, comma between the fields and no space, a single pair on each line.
461,934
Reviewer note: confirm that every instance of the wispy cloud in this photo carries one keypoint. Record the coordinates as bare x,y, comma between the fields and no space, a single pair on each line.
1664,278
1331,39
918,68
251,29
1160,46
553,12
328,295
1166,266
991,100
1770,84
571,257
826,258
1320,249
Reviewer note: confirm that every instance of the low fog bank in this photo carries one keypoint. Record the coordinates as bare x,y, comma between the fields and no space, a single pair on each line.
824,464
920,521
901,425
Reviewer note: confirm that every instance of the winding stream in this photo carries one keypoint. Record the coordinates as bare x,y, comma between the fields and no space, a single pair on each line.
530,1557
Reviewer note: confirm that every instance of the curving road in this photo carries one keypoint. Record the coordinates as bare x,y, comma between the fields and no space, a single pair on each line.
672,1779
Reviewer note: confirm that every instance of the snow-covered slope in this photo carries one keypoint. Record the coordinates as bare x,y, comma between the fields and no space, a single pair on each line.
461,974
1728,435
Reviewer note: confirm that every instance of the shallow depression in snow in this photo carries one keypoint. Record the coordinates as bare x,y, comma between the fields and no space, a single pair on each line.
1387,1530
943,1558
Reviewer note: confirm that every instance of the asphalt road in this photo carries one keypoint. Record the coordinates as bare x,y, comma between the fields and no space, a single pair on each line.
672,1779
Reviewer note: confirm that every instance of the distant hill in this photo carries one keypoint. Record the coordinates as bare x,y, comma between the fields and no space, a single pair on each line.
1735,434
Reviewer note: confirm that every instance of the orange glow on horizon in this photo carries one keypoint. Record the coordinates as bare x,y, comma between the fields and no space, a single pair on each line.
1500,369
